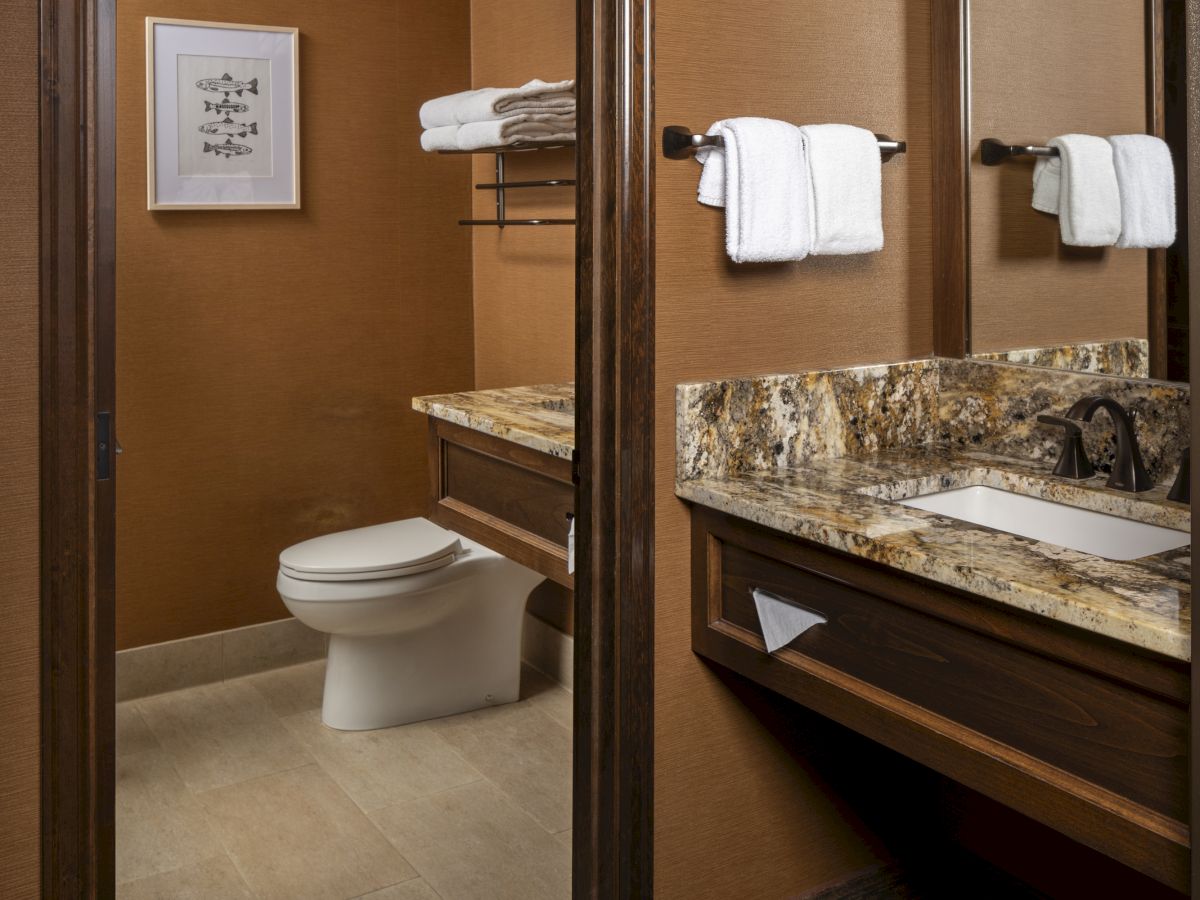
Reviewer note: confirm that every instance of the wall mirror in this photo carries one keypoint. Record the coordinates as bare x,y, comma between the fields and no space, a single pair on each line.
1031,71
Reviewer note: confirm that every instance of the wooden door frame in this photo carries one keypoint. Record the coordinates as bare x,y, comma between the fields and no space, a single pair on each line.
952,154
613,774
614,375
77,237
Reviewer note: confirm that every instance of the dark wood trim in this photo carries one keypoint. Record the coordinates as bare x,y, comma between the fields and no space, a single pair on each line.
951,178
77,551
1156,124
1192,214
614,612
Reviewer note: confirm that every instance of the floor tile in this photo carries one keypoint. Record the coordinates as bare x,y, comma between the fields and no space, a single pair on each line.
474,842
295,835
414,889
160,825
525,752
293,689
133,735
547,695
385,766
221,734
213,879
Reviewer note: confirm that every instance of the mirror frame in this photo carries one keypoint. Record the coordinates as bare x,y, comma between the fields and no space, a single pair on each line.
953,155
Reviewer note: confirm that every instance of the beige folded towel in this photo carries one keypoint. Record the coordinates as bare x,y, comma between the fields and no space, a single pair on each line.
485,104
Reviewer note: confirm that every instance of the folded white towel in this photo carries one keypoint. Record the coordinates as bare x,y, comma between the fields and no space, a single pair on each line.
1080,187
846,189
539,127
442,138
482,104
761,178
1146,182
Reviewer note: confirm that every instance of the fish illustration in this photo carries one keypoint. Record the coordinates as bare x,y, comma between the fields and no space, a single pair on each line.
226,106
228,126
226,85
228,149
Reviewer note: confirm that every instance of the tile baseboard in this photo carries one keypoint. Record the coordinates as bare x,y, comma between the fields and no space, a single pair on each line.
207,658
548,650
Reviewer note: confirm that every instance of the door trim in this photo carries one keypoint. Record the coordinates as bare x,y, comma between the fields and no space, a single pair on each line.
77,231
614,369
613,774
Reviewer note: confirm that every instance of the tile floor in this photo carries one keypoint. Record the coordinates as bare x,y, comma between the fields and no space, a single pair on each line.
236,790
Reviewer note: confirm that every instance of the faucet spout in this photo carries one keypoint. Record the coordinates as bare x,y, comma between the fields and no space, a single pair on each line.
1128,474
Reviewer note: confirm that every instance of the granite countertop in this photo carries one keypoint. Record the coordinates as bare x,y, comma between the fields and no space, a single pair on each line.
847,503
541,417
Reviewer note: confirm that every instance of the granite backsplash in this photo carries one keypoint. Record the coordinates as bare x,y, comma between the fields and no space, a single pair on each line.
780,421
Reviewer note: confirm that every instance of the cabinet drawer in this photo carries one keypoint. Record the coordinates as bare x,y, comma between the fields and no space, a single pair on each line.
510,498
1097,749
1130,742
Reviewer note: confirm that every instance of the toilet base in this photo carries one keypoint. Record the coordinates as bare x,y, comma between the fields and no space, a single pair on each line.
378,681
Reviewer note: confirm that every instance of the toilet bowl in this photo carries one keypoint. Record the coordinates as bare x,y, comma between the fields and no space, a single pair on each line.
422,623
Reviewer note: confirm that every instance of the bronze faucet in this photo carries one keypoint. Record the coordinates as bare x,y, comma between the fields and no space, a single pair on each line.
1128,474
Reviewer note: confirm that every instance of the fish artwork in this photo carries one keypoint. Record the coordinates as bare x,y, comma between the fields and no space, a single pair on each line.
226,106
227,85
228,126
228,149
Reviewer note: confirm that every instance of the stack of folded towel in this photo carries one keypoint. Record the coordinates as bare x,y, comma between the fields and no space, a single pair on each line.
1118,191
539,111
789,191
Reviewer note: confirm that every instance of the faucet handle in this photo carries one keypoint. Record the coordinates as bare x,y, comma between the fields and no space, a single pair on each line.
1181,490
1073,462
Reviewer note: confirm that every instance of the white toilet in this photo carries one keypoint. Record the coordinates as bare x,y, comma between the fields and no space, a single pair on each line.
421,622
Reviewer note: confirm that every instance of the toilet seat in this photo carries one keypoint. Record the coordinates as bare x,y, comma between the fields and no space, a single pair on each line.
391,550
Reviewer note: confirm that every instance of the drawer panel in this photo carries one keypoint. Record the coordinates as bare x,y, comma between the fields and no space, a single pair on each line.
1106,732
508,497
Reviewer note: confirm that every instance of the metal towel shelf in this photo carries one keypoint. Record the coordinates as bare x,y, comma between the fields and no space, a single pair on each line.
500,185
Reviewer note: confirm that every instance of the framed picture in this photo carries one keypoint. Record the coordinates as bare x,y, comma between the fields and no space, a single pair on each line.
222,116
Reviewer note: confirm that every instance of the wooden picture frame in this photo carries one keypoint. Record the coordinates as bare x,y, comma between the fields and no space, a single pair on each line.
199,77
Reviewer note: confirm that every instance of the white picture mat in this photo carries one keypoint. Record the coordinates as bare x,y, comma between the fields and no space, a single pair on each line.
168,41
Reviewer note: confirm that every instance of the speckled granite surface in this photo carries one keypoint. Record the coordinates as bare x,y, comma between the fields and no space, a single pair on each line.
747,447
994,407
1126,357
541,417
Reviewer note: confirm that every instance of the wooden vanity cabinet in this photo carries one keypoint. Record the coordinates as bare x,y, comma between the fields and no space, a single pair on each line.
1075,730
508,497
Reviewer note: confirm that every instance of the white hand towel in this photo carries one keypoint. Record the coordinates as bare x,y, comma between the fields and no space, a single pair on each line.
1146,182
483,104
846,189
760,176
1080,187
442,138
540,127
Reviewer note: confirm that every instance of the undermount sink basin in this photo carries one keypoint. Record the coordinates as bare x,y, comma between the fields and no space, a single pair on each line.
1055,523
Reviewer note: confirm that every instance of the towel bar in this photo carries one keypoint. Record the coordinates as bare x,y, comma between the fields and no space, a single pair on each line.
993,152
678,142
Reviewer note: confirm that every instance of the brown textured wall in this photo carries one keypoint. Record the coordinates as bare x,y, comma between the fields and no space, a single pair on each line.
736,814
1038,70
524,277
266,359
19,766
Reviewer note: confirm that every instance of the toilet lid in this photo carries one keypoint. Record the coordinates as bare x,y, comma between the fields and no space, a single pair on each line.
395,548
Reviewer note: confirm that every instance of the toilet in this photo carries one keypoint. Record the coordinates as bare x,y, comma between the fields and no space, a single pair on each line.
422,622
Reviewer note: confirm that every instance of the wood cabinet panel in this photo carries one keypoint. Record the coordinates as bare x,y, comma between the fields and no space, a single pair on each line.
1088,749
507,497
